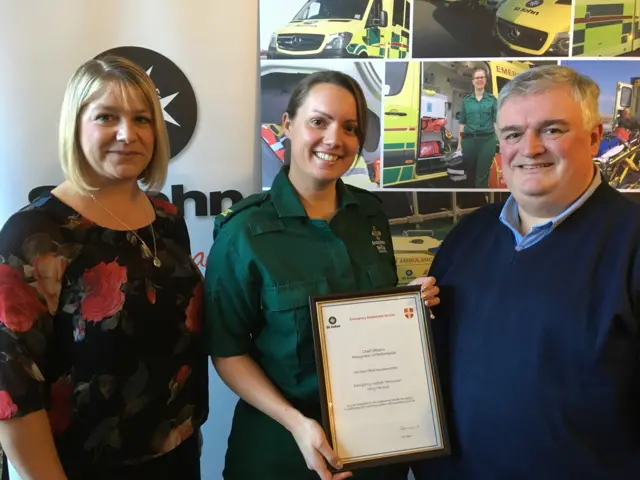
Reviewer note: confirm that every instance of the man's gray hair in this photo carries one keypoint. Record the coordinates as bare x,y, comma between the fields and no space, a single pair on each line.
540,79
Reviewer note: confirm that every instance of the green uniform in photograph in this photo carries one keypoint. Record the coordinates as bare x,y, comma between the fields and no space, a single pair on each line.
479,140
268,257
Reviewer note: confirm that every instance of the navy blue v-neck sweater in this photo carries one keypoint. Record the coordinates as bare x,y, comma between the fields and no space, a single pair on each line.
538,349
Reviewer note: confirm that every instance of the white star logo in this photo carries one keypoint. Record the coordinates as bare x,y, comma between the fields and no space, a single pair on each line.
164,101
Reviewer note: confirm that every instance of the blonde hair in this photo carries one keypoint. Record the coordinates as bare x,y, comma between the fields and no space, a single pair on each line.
91,78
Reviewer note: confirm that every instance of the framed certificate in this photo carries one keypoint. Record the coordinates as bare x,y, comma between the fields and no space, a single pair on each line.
379,385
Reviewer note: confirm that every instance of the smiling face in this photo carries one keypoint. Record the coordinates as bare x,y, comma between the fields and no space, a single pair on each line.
546,150
116,134
479,79
322,135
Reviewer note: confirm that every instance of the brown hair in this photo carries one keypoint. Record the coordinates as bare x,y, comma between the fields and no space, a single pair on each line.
302,89
479,69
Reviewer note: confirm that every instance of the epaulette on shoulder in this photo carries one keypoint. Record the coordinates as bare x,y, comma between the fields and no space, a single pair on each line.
245,203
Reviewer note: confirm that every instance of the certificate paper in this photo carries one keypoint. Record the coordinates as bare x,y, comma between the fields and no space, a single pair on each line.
378,381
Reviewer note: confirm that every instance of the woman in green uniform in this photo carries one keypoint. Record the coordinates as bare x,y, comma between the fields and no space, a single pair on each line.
310,234
477,131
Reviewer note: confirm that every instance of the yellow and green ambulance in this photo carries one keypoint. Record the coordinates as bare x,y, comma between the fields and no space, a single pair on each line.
345,29
534,27
606,28
408,91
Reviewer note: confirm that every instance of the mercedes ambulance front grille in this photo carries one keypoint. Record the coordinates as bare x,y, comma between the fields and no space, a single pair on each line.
300,42
520,36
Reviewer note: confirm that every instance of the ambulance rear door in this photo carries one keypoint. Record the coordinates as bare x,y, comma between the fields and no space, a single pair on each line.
401,121
624,97
400,26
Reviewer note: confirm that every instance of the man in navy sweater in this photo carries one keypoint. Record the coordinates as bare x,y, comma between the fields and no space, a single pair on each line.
537,330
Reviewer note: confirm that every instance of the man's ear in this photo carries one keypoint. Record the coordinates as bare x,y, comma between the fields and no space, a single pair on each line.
596,136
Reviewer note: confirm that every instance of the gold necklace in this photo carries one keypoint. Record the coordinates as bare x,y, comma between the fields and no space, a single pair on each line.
145,248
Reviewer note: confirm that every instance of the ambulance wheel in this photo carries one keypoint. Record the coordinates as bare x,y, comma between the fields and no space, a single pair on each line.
363,55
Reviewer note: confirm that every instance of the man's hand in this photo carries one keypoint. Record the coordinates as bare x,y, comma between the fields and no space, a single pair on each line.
428,291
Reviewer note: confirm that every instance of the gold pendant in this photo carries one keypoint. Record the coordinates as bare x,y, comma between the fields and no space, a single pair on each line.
157,262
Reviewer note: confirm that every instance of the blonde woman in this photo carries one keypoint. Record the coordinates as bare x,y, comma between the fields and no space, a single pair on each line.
102,374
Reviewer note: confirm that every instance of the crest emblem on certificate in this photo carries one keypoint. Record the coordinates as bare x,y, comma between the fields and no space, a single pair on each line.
408,312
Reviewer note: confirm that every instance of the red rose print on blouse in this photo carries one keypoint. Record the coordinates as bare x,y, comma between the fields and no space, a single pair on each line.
48,271
19,303
60,411
167,207
7,408
194,310
104,296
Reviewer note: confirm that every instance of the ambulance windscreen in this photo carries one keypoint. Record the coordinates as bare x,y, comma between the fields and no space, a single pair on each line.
332,9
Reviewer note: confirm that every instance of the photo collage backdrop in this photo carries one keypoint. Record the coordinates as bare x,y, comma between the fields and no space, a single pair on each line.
414,59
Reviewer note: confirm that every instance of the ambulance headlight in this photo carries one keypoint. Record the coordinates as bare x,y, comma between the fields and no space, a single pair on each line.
338,41
560,43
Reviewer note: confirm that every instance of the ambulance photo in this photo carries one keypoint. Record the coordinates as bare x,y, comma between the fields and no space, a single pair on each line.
618,157
297,29
277,80
422,105
533,27
606,28
420,221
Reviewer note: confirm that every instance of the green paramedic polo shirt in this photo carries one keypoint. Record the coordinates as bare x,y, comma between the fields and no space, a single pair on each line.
479,116
268,257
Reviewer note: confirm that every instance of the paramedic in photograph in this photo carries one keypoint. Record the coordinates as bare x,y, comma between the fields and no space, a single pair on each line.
477,139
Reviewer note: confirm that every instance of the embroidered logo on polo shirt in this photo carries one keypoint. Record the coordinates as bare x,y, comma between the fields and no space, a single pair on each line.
381,245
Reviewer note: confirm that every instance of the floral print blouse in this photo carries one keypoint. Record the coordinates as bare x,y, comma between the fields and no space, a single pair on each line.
92,332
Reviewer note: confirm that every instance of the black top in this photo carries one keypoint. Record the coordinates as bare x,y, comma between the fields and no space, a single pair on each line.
94,333
538,349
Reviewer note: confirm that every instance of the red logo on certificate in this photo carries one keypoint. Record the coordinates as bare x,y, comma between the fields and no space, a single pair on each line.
408,312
